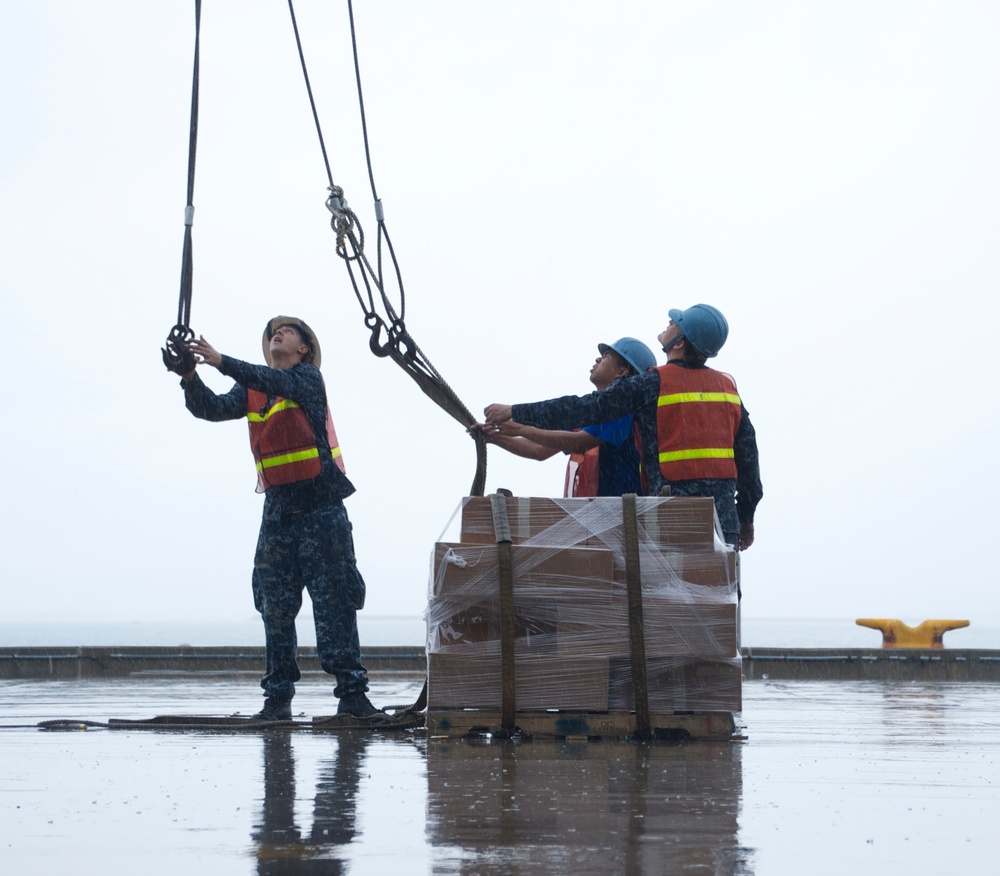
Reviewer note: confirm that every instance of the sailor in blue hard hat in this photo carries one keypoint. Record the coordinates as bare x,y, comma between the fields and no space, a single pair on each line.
696,435
703,327
631,352
603,457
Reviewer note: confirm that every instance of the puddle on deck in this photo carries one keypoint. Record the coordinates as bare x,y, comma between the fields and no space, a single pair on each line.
831,777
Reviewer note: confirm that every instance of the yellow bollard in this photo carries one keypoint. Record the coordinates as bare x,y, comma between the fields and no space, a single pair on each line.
896,634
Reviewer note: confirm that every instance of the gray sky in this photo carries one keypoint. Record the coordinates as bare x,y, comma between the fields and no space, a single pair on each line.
554,175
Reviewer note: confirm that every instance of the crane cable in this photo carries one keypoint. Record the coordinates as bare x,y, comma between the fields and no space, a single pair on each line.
398,344
176,356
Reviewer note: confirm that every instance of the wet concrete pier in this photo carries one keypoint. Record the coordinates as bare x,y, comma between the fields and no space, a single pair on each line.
825,777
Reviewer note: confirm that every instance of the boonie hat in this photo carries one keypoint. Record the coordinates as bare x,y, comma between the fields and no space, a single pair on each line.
313,357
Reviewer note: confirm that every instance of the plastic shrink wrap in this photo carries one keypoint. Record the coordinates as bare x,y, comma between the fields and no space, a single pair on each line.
571,620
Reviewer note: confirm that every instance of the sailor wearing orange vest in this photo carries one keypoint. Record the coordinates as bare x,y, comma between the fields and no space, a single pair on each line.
695,432
305,536
283,443
604,458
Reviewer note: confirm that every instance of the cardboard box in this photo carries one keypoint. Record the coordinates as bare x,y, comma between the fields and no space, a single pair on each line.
678,684
590,633
671,629
678,522
665,524
466,681
692,576
701,630
562,522
681,522
469,575
476,630
670,569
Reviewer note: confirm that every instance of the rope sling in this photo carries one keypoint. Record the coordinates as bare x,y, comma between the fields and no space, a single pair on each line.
176,355
389,336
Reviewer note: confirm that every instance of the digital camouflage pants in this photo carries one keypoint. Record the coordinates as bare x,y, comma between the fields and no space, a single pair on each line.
314,551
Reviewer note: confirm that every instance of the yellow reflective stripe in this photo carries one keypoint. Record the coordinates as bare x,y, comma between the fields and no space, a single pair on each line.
676,398
288,458
286,404
334,452
697,453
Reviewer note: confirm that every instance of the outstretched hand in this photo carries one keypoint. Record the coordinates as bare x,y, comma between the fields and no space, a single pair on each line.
497,414
204,352
493,434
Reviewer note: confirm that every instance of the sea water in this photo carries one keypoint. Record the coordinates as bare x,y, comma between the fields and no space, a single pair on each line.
411,631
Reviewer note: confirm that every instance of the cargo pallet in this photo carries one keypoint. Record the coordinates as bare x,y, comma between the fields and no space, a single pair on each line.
584,619
676,726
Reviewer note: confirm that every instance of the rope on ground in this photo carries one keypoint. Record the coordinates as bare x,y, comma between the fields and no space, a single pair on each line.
406,720
389,337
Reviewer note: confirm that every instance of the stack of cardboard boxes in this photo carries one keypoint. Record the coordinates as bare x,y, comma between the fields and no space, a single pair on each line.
571,611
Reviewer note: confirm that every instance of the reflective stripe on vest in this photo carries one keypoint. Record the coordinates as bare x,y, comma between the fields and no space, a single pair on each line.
272,461
698,413
697,453
676,398
281,404
287,458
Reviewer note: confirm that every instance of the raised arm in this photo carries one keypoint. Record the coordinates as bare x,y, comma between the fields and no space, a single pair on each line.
624,396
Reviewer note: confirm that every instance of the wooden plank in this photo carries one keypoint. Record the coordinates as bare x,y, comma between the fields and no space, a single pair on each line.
462,722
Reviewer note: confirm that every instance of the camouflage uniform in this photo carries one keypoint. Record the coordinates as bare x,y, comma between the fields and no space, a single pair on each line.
735,499
305,536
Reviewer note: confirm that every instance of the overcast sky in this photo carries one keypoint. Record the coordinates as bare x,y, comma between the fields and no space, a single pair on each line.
554,175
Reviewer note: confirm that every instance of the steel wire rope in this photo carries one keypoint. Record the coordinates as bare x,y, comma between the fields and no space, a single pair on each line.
398,344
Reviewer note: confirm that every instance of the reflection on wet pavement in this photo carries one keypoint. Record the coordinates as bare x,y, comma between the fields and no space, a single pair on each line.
830,778
279,841
572,807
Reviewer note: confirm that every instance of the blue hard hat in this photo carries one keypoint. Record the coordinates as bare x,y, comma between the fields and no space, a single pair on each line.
633,351
703,326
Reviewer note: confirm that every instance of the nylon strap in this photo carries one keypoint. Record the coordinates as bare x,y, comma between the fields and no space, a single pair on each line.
175,353
636,635
389,337
505,565
187,264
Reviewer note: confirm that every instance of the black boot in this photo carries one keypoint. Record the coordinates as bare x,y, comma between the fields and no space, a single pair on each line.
275,709
357,705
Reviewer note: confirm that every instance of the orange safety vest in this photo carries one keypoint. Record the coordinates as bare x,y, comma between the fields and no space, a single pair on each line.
697,415
283,443
583,474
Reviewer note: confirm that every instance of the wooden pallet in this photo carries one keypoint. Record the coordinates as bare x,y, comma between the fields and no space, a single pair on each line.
580,725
